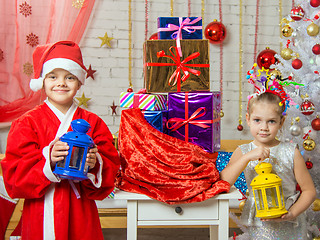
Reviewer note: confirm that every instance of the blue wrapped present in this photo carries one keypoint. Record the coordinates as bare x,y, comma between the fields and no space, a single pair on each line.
157,119
179,28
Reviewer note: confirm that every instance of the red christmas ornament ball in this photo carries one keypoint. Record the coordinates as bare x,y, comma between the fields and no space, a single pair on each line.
296,63
307,107
266,58
129,89
316,49
154,36
315,124
315,3
240,127
215,32
297,13
309,164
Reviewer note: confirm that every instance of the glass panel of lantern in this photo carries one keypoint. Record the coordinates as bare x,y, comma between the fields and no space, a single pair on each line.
258,197
272,200
76,157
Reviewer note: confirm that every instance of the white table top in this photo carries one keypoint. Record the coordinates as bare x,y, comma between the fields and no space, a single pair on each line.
122,195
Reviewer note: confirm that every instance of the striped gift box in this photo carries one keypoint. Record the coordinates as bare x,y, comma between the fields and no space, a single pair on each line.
150,102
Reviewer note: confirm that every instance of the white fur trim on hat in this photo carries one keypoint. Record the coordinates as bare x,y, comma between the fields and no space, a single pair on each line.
63,63
36,84
66,64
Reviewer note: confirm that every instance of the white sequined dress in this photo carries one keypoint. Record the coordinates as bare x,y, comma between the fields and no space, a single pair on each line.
281,158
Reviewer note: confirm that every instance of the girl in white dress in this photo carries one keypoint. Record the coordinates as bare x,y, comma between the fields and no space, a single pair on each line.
265,117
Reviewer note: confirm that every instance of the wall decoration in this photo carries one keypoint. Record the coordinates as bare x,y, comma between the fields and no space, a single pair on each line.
114,108
32,39
78,3
106,40
28,68
240,126
25,9
83,100
90,72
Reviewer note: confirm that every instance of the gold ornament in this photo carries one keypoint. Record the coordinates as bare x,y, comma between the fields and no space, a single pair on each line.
275,75
287,31
309,144
106,40
286,53
83,100
316,205
221,114
241,205
313,29
316,238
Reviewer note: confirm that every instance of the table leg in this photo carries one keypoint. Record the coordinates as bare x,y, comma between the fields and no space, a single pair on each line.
132,219
223,231
213,232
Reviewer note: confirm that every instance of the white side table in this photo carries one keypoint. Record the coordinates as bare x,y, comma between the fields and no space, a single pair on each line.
144,211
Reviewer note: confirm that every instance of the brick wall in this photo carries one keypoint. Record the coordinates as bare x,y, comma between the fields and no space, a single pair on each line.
111,78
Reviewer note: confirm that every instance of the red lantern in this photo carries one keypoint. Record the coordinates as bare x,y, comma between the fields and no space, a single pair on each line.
315,124
316,49
307,107
296,63
215,32
297,13
266,58
315,3
154,36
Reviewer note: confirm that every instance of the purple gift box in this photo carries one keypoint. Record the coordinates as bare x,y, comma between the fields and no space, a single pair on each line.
195,117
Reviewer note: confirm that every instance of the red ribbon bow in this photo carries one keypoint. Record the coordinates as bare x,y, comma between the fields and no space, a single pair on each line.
181,65
179,122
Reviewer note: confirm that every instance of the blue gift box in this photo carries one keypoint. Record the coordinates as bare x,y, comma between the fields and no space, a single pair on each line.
157,119
168,27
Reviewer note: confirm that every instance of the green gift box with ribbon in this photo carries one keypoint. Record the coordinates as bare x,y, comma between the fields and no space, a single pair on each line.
166,71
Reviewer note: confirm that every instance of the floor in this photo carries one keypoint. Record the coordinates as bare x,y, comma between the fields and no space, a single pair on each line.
163,233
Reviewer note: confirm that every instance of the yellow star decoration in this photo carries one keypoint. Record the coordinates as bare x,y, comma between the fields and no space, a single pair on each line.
105,40
83,100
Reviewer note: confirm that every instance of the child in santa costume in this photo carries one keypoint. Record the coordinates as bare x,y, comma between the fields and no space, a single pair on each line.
55,208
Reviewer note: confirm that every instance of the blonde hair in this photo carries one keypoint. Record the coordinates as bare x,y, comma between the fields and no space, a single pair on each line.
267,97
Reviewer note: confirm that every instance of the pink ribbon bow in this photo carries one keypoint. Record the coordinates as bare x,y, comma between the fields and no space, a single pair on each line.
183,25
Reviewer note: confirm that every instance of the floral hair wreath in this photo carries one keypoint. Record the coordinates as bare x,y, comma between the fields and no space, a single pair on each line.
272,86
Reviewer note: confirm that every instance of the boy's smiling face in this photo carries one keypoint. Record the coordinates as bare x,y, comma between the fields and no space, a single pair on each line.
60,87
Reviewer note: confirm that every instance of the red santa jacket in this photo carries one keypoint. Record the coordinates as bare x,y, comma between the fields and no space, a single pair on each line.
51,207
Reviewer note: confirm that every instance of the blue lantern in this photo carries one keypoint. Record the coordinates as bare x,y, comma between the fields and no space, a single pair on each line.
73,166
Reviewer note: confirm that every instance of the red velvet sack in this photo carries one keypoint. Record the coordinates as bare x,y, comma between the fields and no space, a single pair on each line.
163,167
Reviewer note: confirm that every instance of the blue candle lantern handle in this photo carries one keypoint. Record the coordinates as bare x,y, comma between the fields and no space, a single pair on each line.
80,126
73,166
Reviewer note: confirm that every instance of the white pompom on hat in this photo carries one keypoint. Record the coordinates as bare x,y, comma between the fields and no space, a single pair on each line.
64,54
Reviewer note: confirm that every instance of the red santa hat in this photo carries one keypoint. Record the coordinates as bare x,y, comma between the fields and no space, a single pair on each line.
65,54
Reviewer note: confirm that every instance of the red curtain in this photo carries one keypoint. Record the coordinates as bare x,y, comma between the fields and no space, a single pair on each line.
24,24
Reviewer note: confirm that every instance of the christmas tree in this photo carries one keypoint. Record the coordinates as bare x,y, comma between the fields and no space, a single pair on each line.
297,69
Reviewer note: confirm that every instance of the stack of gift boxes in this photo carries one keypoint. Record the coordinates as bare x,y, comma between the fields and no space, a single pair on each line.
177,98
